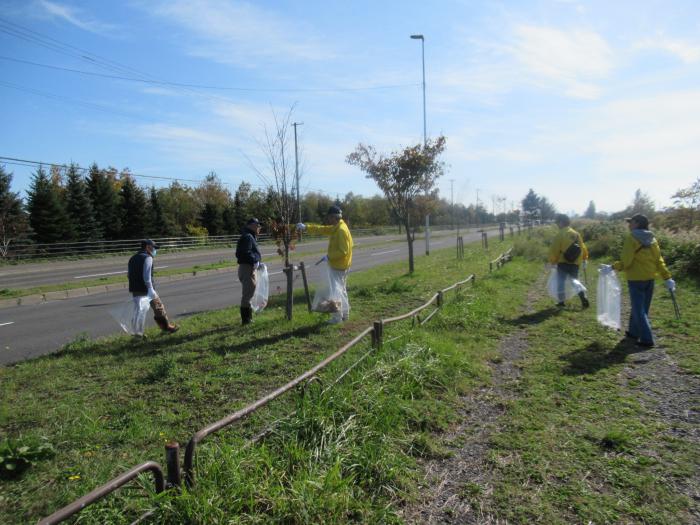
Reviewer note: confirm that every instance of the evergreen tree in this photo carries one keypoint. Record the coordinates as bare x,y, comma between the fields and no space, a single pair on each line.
531,202
13,219
158,225
79,208
240,205
47,216
134,210
105,202
211,219
590,212
229,220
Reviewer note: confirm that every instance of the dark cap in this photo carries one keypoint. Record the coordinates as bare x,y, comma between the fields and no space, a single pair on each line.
640,219
252,220
149,242
334,210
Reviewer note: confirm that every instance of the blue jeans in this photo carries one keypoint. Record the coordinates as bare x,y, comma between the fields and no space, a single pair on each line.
641,293
565,270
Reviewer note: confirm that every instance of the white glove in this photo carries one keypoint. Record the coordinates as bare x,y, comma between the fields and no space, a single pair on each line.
301,226
151,294
256,265
605,269
670,285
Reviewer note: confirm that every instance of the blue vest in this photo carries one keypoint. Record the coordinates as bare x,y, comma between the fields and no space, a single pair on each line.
137,285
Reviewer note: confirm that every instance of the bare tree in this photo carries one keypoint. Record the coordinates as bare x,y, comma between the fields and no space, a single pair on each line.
279,175
403,176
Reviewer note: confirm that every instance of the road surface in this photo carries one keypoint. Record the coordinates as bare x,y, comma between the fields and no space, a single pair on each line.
32,331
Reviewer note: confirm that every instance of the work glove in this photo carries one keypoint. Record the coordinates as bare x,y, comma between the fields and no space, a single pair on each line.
605,269
301,227
670,285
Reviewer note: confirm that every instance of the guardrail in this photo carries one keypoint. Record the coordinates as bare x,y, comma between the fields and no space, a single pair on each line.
28,250
174,474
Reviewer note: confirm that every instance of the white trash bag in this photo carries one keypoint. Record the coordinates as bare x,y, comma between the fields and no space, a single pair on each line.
329,297
262,289
131,314
572,286
608,299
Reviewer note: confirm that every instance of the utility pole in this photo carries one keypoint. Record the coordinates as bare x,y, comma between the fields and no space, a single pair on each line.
296,164
452,198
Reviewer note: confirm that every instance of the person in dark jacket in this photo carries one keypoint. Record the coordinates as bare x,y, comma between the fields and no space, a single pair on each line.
248,257
140,272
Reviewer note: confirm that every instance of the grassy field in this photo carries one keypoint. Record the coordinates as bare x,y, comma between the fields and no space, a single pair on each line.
586,429
109,404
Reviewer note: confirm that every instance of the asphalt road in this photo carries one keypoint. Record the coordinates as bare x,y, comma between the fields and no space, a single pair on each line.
31,331
28,275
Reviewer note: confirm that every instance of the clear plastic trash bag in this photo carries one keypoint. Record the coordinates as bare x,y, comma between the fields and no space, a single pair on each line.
131,314
565,289
262,289
330,297
608,300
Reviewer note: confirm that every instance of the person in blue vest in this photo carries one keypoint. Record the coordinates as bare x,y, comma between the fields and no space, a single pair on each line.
248,257
141,283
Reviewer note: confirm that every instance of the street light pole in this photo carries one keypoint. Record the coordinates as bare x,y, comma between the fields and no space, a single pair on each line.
296,164
422,49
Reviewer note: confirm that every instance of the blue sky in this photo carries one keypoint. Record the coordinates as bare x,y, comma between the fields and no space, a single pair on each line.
579,100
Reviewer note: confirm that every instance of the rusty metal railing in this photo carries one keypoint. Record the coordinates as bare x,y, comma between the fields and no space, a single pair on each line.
501,260
109,487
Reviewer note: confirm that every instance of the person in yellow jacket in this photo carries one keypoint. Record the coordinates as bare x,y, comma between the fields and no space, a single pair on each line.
569,253
339,254
642,262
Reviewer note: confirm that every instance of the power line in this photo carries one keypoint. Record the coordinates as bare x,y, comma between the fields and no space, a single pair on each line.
205,86
38,163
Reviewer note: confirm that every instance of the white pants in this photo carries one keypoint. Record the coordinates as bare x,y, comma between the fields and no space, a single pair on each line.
340,277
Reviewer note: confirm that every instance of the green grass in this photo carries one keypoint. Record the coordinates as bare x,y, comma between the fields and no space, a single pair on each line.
577,445
107,405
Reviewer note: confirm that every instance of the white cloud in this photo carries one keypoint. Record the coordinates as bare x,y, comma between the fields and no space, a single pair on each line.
240,33
74,16
685,51
573,59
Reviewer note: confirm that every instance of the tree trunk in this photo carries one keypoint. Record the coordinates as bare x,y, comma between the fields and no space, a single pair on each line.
409,239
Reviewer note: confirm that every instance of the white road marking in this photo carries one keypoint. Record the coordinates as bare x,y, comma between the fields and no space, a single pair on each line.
384,253
5,324
110,273
275,273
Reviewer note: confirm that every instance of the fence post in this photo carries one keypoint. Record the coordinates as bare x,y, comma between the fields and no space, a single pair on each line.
485,240
302,267
172,464
501,230
511,232
378,334
440,299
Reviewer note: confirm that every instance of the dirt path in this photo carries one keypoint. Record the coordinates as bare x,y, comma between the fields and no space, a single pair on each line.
458,489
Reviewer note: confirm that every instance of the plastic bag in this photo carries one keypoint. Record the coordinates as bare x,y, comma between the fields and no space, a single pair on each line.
608,299
569,286
131,314
330,296
262,289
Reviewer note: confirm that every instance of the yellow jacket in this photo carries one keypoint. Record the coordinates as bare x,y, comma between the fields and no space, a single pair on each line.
339,244
642,260
566,237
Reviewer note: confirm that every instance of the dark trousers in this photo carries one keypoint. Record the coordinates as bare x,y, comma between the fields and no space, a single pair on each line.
641,294
248,278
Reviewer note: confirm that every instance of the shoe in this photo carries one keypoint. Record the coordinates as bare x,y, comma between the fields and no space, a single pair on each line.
246,315
585,303
172,329
644,344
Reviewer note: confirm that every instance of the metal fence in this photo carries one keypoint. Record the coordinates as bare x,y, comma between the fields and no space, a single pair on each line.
175,474
27,250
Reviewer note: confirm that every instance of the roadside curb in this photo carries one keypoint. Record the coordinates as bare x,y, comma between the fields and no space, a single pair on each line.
75,293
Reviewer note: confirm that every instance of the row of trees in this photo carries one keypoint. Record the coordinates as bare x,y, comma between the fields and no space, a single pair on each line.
71,204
